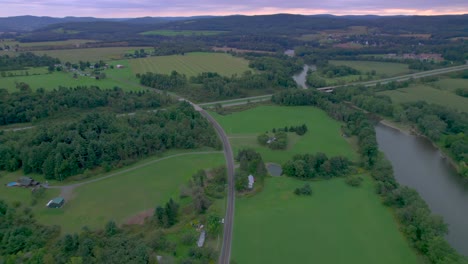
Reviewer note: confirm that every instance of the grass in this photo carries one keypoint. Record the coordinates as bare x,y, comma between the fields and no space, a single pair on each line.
89,54
323,134
382,69
127,194
171,33
191,64
337,224
451,84
424,92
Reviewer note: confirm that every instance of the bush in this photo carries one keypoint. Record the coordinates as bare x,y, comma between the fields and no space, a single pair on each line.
304,190
354,181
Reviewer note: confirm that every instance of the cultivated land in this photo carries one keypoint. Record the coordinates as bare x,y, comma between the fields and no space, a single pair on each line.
90,54
122,196
191,64
337,224
73,42
382,69
171,33
430,94
323,134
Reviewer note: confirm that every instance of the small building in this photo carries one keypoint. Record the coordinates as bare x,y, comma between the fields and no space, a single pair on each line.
271,140
201,239
27,182
120,66
56,202
251,181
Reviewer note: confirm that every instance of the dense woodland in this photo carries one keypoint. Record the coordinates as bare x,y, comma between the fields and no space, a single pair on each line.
27,105
103,140
24,60
424,230
309,166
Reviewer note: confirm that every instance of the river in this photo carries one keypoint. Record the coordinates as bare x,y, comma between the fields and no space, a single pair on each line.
301,77
421,166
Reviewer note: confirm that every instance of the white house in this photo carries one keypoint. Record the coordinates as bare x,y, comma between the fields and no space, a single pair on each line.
251,181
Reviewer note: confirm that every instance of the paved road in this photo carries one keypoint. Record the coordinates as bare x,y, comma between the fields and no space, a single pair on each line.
225,255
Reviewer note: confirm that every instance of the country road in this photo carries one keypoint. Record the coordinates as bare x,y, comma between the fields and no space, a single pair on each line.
225,255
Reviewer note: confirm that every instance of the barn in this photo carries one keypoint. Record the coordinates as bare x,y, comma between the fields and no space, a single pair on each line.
56,202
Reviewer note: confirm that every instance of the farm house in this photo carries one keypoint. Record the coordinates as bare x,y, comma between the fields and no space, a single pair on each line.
56,202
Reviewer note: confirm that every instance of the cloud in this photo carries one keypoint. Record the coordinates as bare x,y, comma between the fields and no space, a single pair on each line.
127,8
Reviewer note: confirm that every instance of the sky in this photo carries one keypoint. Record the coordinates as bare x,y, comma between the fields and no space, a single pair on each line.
140,8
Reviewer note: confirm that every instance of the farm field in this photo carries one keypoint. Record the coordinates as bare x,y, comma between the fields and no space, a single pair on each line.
429,94
383,69
171,33
337,224
191,64
451,84
90,54
324,133
122,196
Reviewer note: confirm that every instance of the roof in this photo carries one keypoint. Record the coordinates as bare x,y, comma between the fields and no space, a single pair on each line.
25,180
58,200
251,178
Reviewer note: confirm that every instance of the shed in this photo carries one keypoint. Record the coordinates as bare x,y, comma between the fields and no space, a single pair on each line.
56,202
251,181
119,66
25,181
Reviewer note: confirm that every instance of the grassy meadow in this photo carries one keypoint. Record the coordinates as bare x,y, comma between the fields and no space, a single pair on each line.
382,69
337,224
70,42
171,33
191,64
323,134
430,94
119,197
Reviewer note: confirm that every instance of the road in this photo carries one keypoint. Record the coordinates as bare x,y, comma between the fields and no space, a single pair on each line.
225,255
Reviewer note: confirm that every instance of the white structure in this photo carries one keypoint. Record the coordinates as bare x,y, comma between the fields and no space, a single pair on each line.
201,239
251,181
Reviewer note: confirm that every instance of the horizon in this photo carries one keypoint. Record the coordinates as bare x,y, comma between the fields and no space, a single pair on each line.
185,8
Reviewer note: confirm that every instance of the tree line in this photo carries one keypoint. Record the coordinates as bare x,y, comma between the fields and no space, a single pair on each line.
251,163
424,230
103,140
24,60
27,106
309,166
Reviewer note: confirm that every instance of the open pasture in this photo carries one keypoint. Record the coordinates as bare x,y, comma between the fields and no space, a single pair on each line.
324,133
337,224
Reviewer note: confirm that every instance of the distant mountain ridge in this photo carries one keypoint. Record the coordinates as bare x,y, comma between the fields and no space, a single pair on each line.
31,23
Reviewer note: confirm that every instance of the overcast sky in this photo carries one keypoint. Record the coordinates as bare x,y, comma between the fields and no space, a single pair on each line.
139,8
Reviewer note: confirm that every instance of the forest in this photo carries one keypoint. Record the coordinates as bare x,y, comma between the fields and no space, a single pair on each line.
23,60
103,140
27,105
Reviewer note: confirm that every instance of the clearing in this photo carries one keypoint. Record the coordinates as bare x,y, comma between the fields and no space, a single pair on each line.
324,133
191,64
430,94
90,54
151,183
382,69
337,224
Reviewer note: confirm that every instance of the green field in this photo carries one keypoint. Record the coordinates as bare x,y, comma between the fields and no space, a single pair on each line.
451,84
89,54
382,69
121,196
422,92
337,224
191,64
323,134
171,33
